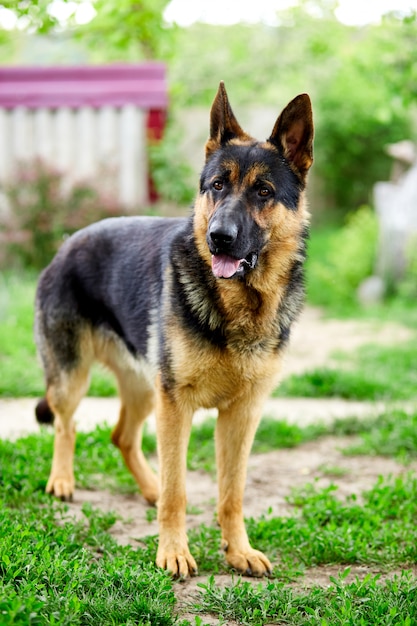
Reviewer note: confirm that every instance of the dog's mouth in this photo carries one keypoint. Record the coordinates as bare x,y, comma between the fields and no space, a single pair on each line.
224,266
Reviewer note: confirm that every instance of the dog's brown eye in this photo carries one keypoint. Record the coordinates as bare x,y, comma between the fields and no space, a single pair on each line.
264,192
218,185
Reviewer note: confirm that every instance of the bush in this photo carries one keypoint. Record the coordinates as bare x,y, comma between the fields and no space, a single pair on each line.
41,214
347,259
171,174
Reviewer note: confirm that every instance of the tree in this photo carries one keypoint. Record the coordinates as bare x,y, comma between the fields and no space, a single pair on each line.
120,29
362,82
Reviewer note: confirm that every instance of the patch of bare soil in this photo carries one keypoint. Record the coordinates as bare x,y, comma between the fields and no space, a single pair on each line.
271,477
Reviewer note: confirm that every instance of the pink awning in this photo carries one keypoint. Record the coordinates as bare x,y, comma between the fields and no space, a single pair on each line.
143,85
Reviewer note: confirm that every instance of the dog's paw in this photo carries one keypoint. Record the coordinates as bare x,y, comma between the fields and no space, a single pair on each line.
179,563
60,486
249,562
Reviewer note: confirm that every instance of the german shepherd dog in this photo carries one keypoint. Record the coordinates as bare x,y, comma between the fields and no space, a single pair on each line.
187,312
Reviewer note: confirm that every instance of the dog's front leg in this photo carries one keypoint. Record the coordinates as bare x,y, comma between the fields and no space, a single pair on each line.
235,432
173,431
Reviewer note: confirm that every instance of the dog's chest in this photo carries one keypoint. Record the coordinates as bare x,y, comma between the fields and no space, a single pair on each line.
214,377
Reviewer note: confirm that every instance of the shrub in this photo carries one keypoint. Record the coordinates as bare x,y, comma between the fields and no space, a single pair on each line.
171,174
41,214
348,258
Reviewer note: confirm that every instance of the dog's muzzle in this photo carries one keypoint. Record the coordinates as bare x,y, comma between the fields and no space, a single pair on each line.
227,258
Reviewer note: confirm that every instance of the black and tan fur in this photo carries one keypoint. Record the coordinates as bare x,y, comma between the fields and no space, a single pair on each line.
188,313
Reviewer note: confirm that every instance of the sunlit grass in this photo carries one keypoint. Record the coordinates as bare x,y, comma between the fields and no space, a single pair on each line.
54,569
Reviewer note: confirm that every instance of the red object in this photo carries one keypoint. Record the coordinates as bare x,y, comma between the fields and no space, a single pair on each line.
143,85
155,126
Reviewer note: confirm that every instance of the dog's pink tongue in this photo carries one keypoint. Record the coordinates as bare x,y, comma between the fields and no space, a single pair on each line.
224,266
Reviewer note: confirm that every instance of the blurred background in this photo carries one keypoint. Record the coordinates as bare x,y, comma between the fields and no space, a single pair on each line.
357,60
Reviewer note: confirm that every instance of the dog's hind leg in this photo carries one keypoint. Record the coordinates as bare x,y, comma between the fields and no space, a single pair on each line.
235,431
137,399
63,396
65,349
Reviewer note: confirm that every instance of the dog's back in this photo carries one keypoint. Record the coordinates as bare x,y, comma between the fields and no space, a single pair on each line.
105,281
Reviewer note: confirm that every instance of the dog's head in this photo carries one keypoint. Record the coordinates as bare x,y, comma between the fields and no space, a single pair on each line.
246,185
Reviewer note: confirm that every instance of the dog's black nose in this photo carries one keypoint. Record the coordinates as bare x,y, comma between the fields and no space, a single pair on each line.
223,235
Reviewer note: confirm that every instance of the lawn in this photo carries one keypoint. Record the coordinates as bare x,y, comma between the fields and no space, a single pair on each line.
55,569
59,569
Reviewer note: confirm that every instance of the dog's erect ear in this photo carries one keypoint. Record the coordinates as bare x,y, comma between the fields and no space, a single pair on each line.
223,124
294,131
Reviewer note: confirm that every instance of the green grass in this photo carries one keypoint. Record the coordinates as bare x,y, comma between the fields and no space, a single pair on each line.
372,373
55,570
20,373
362,602
379,529
391,434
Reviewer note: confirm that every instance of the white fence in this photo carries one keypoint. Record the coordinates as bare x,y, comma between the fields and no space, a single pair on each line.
84,144
91,124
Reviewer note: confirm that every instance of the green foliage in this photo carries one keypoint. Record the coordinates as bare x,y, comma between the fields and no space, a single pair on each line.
128,30
41,215
121,29
237,50
357,108
341,260
358,114
172,175
52,565
407,288
392,434
364,602
34,15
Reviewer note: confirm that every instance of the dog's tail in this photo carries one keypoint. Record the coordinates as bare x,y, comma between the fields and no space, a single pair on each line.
43,412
